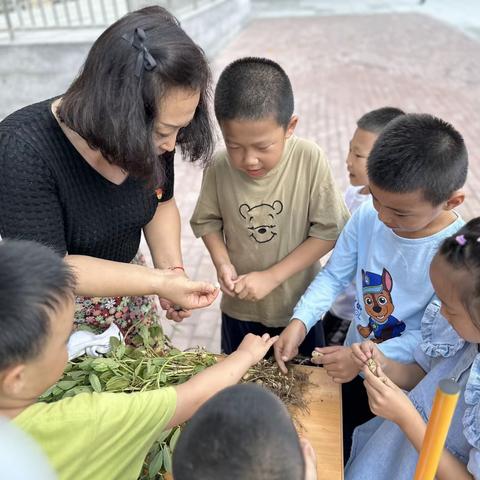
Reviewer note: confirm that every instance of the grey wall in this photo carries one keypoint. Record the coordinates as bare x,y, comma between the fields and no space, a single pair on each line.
43,65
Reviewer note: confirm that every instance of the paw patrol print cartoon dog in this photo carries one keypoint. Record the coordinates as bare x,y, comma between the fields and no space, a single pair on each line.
261,220
379,306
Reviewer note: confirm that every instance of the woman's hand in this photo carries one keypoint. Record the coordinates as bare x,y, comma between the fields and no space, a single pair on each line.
179,295
386,399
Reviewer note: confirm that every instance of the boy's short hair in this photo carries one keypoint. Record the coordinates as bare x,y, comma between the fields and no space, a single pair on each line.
419,152
254,88
34,281
243,432
376,120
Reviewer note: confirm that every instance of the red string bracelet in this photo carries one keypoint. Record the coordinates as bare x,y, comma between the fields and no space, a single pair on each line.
179,267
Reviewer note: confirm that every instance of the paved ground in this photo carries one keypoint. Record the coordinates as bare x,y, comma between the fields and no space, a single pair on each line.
340,67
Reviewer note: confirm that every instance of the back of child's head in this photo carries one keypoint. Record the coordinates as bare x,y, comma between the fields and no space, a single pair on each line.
419,152
253,88
242,433
462,252
376,120
34,283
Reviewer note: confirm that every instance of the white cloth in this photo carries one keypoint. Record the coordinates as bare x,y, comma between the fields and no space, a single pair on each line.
87,343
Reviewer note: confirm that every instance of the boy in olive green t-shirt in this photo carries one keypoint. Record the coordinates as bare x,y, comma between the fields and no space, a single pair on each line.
98,436
269,208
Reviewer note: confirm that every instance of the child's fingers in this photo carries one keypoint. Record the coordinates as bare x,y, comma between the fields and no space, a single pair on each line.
227,291
239,285
243,294
368,348
357,353
332,357
385,380
271,341
379,384
316,357
327,350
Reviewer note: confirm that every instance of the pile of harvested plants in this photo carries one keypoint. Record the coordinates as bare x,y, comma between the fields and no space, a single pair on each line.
157,364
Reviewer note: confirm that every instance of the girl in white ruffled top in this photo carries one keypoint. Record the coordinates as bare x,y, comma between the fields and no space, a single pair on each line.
387,447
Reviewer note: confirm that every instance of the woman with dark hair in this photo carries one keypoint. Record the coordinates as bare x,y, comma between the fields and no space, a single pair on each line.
85,173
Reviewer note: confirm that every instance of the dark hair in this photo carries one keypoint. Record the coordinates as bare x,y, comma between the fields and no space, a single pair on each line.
376,120
462,252
114,110
419,152
242,433
253,88
34,281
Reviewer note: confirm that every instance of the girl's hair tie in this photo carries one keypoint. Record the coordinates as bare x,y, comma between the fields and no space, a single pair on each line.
461,240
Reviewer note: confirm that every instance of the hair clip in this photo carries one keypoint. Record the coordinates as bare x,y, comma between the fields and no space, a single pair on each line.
461,240
145,59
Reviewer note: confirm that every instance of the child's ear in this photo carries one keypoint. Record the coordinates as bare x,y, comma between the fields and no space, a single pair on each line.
455,200
292,124
12,380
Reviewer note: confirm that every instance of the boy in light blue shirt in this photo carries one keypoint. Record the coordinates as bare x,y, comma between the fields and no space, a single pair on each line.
416,171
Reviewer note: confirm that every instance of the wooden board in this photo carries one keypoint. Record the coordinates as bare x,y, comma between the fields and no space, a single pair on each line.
322,425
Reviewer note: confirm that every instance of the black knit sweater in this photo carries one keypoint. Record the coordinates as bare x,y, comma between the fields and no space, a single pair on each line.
49,193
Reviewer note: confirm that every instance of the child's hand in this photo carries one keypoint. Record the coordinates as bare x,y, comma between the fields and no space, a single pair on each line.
386,399
338,362
226,275
254,286
310,459
256,346
289,341
363,352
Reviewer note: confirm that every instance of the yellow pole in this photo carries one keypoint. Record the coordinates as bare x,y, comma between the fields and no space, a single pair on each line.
437,429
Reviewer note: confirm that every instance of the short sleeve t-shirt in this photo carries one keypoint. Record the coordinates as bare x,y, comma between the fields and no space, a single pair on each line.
49,193
264,219
99,436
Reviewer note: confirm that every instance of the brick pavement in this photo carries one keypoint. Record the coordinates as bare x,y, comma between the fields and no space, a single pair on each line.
340,67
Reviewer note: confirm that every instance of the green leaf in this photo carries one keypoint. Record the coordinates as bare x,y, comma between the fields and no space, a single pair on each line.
86,364
155,464
106,376
103,364
145,334
66,384
174,438
149,370
167,458
114,343
95,382
138,368
164,435
117,383
120,351
81,389
77,374
48,393
57,390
